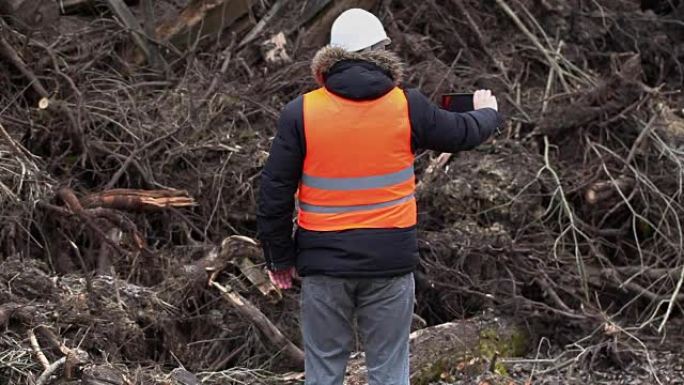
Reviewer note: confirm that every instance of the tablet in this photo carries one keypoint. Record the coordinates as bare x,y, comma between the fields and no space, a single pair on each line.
458,102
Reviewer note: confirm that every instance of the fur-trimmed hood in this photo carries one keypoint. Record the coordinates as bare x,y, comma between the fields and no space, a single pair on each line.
328,56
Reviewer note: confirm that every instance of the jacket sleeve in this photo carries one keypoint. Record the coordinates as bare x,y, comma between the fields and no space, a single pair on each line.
279,182
433,128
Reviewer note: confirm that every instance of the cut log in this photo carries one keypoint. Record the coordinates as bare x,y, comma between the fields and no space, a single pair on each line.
138,200
216,259
202,18
444,348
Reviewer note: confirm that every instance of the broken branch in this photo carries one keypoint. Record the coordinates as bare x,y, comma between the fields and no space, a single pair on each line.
45,376
255,315
138,200
37,350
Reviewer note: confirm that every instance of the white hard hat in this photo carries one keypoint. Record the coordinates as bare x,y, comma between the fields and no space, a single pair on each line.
356,29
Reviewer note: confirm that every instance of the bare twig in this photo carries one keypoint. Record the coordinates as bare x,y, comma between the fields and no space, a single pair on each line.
254,33
552,62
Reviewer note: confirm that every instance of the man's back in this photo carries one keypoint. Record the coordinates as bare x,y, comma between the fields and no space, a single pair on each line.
347,150
358,170
361,79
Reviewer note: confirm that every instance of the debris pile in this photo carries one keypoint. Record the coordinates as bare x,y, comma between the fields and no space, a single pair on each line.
132,134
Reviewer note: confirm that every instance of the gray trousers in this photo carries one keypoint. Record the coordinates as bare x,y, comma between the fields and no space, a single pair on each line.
383,308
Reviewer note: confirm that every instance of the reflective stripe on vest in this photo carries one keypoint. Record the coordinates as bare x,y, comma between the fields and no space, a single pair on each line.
360,183
347,209
358,170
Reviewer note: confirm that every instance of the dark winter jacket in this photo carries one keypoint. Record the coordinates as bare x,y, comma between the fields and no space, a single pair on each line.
357,252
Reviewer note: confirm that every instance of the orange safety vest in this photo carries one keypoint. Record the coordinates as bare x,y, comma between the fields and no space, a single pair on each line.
358,168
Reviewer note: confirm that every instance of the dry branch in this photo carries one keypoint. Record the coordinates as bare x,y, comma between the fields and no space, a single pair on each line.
435,164
484,45
259,27
69,198
149,28
553,63
274,50
10,54
38,351
251,312
256,276
138,200
74,129
121,10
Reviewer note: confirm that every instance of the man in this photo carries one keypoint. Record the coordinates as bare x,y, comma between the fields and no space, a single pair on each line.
346,150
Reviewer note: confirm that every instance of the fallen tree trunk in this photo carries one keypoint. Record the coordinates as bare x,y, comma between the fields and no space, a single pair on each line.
443,348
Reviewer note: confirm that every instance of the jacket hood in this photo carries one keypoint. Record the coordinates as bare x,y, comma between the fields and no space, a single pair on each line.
326,58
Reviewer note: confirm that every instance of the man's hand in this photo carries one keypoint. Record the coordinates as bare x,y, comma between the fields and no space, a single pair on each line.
484,99
282,279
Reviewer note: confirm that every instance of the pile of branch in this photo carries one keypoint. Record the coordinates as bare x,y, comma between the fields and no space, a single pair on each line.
133,134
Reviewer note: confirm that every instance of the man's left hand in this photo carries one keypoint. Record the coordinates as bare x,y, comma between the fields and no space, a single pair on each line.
282,279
